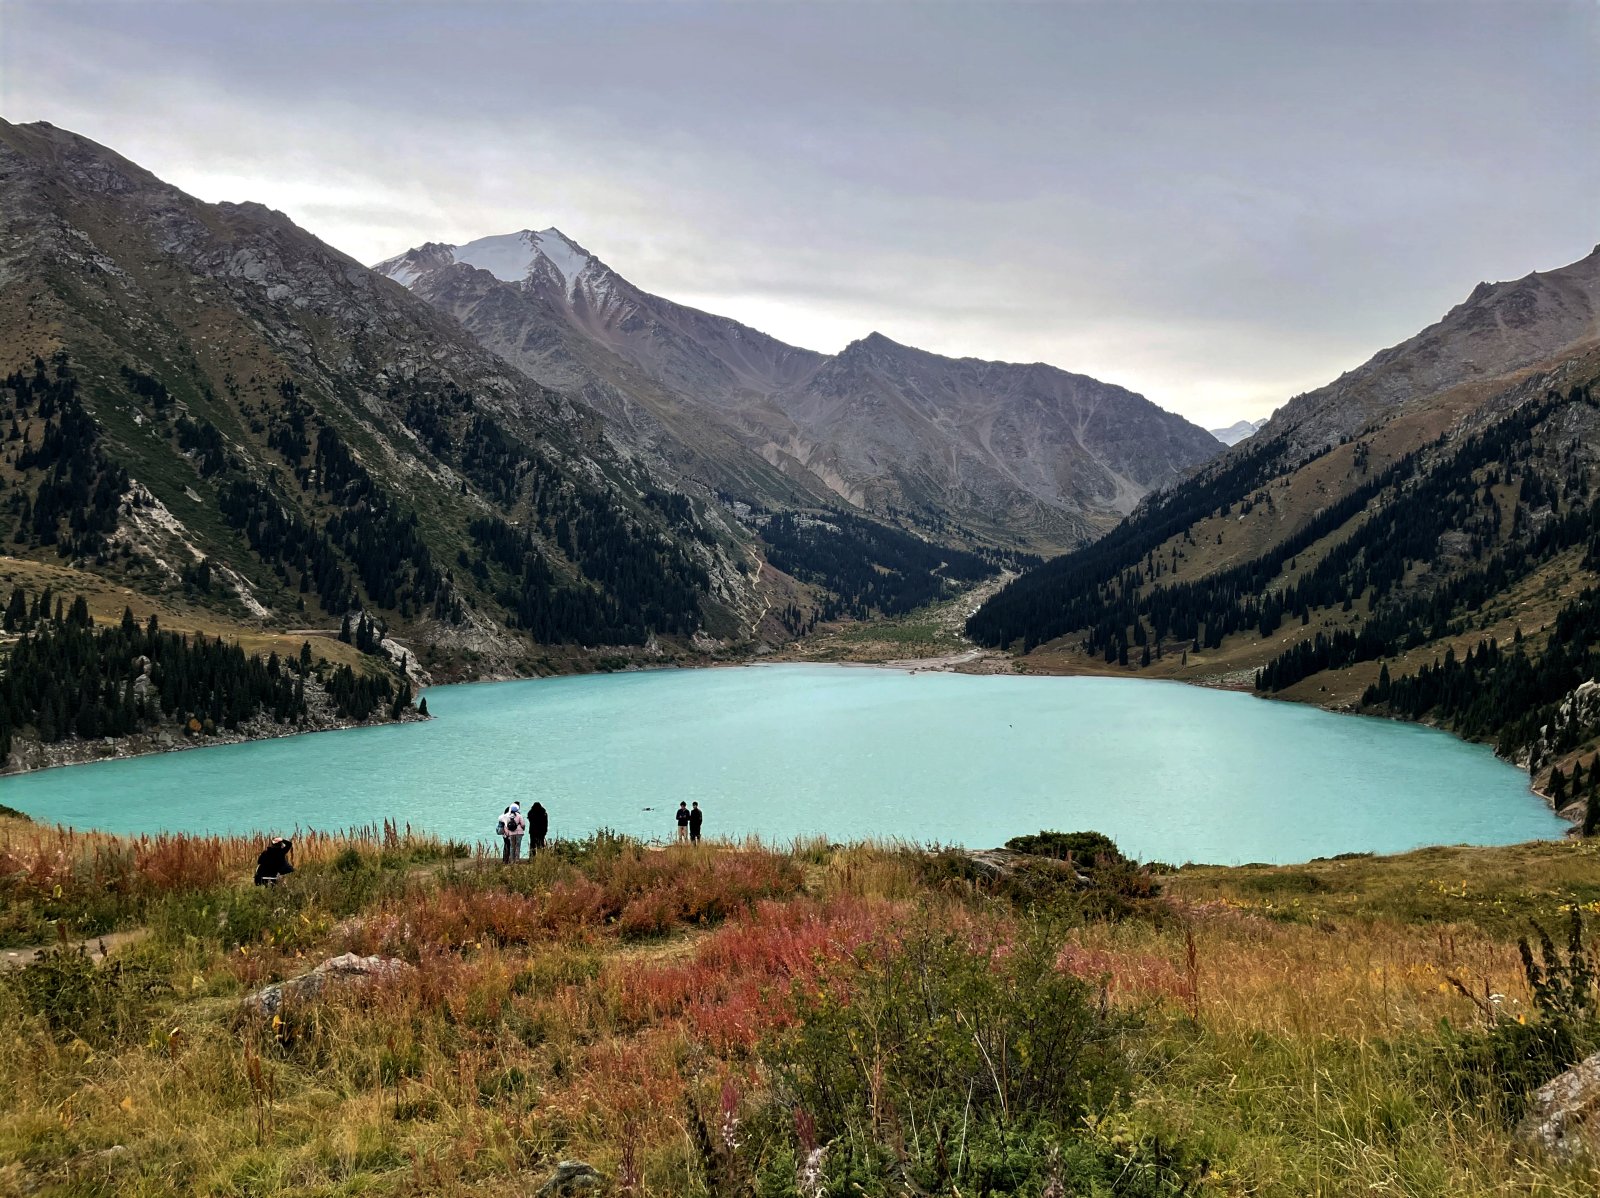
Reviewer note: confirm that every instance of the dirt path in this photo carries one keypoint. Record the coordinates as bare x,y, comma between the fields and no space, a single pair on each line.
98,947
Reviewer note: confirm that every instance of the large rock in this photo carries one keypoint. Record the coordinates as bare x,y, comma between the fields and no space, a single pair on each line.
571,1178
1565,1117
1574,716
335,971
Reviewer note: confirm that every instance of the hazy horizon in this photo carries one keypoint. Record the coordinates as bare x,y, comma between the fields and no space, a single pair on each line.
1218,206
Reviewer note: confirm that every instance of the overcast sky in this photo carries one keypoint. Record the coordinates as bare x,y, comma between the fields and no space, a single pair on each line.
1219,205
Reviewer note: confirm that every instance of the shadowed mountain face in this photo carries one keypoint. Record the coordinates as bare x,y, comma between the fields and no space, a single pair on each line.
239,391
994,452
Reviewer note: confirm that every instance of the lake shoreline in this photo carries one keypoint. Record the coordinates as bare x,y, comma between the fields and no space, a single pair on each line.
882,752
33,757
973,661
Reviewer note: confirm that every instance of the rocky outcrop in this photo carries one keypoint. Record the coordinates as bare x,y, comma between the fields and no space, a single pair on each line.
1565,1118
1578,713
335,972
570,1179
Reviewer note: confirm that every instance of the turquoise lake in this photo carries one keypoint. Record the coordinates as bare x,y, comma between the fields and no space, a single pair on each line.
1171,772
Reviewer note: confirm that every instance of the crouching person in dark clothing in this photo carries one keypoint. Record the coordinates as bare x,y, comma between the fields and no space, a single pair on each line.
274,861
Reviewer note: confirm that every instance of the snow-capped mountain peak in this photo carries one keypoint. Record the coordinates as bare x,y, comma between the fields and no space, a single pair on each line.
1238,431
511,257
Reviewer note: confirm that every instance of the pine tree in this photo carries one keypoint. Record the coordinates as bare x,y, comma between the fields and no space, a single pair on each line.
1591,812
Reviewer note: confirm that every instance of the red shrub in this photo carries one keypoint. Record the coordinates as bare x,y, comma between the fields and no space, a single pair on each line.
735,986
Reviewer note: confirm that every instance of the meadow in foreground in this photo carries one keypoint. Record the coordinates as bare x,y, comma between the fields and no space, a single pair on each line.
738,1019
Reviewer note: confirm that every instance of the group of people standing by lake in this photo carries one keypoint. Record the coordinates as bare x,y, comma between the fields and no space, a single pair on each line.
513,825
274,864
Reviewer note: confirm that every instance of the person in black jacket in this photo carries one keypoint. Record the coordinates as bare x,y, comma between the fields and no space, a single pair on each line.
682,817
538,827
695,818
273,863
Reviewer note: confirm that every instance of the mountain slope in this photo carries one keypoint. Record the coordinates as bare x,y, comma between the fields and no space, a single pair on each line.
587,337
208,382
963,450
1024,451
1436,497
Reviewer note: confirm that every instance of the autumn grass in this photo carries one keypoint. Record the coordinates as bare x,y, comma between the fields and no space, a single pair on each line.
1287,1031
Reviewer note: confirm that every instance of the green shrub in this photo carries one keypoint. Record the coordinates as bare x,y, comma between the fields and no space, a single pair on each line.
1083,848
936,1064
1504,1063
1284,881
348,861
98,1004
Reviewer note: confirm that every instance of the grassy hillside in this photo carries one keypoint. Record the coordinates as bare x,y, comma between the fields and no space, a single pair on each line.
733,1019
1361,577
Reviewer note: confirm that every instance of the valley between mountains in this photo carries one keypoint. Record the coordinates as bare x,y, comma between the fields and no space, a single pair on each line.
337,484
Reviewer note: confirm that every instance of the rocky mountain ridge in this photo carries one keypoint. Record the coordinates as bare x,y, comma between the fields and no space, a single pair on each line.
978,452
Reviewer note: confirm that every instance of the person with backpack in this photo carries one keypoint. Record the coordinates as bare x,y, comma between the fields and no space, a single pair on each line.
683,822
538,827
696,817
502,829
517,825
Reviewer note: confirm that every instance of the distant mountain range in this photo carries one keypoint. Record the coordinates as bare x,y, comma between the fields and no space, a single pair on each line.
502,453
1238,431
985,452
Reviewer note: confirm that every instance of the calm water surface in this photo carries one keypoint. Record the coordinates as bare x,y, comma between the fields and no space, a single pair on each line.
1171,772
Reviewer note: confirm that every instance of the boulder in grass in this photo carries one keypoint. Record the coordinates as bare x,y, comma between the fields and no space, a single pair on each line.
1564,1117
570,1178
335,971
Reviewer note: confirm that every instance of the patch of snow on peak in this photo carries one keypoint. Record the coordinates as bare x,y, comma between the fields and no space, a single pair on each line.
1239,431
509,256
561,253
401,271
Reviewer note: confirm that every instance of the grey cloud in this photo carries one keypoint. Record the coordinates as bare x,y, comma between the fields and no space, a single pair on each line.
1216,204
